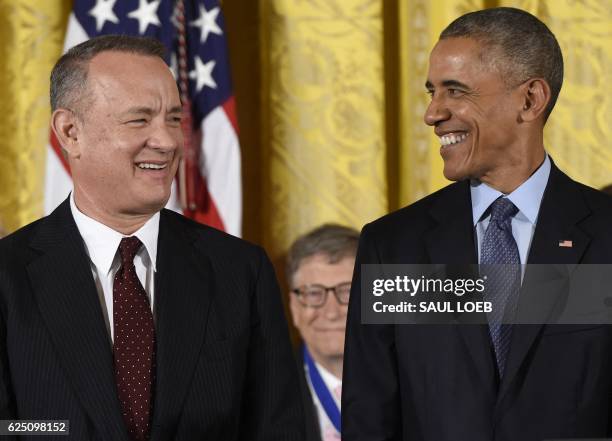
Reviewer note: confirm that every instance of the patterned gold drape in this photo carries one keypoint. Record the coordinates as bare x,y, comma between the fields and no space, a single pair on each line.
330,97
31,39
323,117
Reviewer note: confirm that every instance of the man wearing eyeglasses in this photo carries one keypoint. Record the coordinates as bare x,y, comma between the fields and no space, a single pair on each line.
319,270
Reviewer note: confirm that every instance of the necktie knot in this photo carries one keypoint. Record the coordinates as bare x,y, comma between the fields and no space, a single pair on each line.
128,247
502,209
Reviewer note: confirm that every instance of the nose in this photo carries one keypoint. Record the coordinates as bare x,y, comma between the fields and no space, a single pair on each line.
436,112
165,137
332,309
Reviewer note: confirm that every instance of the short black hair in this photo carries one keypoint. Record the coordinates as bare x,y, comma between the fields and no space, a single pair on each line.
516,41
69,75
332,240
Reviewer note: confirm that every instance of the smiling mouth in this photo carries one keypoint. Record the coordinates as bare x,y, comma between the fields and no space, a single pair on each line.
453,138
151,166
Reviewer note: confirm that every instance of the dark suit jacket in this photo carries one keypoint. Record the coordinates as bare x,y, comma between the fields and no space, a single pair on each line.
311,417
225,370
440,382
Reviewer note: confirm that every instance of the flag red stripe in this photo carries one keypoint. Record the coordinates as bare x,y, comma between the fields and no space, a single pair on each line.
229,106
209,214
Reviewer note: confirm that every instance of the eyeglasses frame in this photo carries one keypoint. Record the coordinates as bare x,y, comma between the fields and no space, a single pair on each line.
298,292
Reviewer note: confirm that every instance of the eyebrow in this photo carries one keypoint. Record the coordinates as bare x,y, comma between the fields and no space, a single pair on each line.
447,83
149,111
176,109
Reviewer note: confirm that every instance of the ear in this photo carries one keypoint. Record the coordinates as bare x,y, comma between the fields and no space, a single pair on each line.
65,125
536,96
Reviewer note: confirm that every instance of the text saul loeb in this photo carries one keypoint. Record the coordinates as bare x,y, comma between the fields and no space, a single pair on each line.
412,286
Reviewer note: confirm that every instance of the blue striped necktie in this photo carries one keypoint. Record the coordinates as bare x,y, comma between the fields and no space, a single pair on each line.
500,263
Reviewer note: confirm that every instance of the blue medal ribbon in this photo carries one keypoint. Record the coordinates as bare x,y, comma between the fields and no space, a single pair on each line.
325,397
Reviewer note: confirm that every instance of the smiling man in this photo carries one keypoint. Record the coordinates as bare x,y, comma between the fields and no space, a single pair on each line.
128,320
319,269
494,77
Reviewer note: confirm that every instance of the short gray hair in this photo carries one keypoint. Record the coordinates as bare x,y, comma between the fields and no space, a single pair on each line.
524,45
69,75
332,240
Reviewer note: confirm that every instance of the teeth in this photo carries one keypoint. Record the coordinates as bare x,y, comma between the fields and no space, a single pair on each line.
151,166
452,139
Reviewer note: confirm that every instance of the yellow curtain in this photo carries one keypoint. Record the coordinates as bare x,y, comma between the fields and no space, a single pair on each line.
323,119
31,40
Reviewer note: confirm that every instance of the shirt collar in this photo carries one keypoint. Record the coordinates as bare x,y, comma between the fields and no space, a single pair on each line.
527,197
101,241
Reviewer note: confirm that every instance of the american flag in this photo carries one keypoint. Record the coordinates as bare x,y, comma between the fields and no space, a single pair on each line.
208,187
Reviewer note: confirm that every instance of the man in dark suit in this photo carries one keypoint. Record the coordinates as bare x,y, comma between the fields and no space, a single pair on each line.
128,320
494,78
319,270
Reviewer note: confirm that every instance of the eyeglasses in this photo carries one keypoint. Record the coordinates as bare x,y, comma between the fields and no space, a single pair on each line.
316,295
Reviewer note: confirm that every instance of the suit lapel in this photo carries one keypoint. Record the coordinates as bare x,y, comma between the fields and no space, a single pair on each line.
563,207
451,241
182,301
70,308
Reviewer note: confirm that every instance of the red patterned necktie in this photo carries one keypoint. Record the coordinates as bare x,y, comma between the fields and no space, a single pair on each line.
134,344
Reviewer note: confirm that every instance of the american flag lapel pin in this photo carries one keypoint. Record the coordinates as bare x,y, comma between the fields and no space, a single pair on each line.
566,243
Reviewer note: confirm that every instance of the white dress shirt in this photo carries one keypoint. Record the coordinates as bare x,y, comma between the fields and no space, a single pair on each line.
101,244
328,431
527,198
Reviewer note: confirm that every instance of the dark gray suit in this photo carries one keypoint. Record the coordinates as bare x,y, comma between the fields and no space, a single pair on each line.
440,382
311,417
225,370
